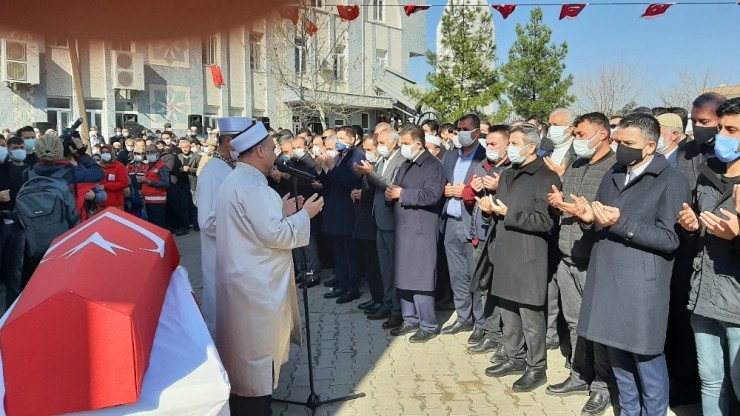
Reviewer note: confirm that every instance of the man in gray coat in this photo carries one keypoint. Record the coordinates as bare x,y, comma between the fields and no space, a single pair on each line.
625,300
381,177
590,363
416,194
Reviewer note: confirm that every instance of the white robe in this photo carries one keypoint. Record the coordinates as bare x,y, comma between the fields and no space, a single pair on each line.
257,309
209,182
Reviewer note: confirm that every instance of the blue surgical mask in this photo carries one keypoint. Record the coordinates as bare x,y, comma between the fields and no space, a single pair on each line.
18,155
370,157
383,150
661,147
341,146
726,148
29,143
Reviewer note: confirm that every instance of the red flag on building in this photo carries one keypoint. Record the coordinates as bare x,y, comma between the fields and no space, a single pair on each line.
656,9
412,8
504,9
348,13
311,28
218,76
570,11
291,13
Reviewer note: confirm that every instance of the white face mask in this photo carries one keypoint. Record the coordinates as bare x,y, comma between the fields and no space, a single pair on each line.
494,155
515,154
151,158
582,148
465,138
662,147
106,157
383,150
316,150
456,142
331,153
557,135
138,158
299,153
407,151
125,134
371,157
129,148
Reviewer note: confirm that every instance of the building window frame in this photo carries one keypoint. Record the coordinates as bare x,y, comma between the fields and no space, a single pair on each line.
300,53
340,65
381,58
378,10
255,51
209,50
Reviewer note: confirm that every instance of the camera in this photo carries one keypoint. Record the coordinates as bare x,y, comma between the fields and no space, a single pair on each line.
67,137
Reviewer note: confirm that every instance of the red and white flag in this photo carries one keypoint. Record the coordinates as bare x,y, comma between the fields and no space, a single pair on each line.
656,9
311,28
348,13
217,75
504,9
570,11
412,8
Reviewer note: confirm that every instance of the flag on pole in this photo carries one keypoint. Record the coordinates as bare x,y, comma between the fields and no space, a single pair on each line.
412,8
217,75
311,28
291,13
656,9
570,11
504,9
348,13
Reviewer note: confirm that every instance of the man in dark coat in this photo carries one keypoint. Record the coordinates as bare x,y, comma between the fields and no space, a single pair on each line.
524,221
381,176
416,194
625,300
339,213
456,220
189,181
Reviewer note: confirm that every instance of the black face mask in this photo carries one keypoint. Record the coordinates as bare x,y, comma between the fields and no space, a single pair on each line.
628,155
704,135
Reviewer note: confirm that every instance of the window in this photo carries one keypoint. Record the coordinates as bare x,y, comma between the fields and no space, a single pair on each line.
378,10
340,65
317,3
94,113
57,42
365,121
58,113
338,122
255,51
209,49
300,56
381,57
124,45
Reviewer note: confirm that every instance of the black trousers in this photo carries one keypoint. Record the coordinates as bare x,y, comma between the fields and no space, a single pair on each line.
157,214
524,325
250,406
177,207
12,245
368,256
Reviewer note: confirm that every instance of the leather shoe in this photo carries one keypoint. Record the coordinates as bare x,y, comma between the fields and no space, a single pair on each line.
530,380
310,283
331,282
499,355
333,293
457,327
365,305
485,345
384,312
596,404
567,388
421,336
394,321
373,309
505,367
404,329
348,297
477,336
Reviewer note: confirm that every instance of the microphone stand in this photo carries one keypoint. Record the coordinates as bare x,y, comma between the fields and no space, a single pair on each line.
312,402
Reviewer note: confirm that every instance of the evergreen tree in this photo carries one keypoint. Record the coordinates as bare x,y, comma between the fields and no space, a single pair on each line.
464,79
534,72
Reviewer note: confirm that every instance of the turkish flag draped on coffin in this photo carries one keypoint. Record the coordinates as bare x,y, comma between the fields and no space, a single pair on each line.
80,336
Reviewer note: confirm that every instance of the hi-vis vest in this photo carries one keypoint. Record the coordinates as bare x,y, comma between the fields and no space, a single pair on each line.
152,194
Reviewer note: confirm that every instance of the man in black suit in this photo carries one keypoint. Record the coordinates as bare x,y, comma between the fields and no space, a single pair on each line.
308,255
188,181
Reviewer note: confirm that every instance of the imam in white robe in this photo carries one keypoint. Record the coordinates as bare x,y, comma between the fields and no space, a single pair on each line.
257,309
209,182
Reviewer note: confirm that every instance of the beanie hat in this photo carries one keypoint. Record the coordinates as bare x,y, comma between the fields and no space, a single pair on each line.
49,148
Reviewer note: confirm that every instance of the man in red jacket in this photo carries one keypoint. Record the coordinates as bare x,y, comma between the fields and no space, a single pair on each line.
116,178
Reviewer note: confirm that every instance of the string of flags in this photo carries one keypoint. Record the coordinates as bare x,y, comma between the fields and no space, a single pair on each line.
348,13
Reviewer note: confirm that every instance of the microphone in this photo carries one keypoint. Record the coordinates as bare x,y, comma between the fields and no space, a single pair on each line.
285,168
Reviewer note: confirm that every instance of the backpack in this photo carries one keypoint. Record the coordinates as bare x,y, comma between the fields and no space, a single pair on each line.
46,208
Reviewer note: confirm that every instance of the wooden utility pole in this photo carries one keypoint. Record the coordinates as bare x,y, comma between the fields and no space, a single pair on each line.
77,82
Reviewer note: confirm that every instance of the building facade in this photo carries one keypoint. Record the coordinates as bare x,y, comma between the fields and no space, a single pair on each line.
321,71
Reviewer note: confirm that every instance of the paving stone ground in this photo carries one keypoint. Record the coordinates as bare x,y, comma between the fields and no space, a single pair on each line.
352,355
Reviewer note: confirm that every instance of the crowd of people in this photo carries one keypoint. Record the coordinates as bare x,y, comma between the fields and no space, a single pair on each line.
614,240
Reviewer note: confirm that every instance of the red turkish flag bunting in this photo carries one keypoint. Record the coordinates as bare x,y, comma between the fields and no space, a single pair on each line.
290,12
311,28
504,9
412,8
348,13
570,11
656,9
218,76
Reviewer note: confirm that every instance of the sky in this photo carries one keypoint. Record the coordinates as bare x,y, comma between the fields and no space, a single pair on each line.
687,38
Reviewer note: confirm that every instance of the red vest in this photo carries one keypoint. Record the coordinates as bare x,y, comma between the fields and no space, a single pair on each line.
152,194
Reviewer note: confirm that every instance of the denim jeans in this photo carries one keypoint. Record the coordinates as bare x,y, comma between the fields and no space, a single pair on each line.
717,345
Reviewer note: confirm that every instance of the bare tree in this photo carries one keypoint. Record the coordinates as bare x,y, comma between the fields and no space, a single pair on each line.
309,63
608,90
689,86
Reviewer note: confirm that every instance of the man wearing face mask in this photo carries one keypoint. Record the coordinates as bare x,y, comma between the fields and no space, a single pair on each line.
715,314
434,146
95,138
590,362
115,180
560,134
135,168
154,184
124,156
524,221
704,120
340,179
626,295
484,181
17,150
11,231
117,137
381,176
210,178
670,133
416,194
446,131
458,168
256,312
308,256
28,136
